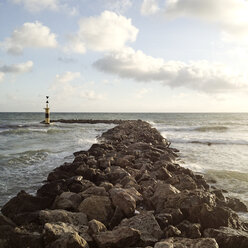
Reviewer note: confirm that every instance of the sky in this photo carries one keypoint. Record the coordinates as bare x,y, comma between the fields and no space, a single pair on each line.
124,55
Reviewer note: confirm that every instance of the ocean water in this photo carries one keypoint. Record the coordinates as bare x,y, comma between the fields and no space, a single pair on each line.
213,144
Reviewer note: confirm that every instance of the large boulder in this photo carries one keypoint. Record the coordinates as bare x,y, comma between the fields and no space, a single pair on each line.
227,237
97,207
118,238
67,201
150,231
214,217
25,202
124,200
161,194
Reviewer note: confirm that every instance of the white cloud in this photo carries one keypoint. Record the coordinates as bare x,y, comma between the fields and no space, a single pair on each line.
30,35
118,6
107,32
142,92
65,88
67,77
230,15
17,68
149,7
39,5
1,76
196,75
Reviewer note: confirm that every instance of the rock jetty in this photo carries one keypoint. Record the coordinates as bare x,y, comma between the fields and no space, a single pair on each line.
125,191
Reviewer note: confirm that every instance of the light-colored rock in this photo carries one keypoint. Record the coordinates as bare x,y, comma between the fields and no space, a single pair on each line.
69,240
118,238
59,215
147,225
187,243
122,199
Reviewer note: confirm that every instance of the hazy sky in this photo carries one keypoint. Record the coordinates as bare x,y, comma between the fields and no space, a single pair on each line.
124,55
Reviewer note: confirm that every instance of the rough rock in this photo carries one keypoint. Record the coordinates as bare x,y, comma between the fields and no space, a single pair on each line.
24,202
67,201
59,215
96,226
190,230
118,238
147,225
227,237
186,243
97,207
122,199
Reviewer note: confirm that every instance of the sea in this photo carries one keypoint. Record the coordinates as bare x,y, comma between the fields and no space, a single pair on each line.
213,144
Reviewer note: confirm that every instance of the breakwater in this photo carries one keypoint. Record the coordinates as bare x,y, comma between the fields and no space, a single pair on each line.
125,191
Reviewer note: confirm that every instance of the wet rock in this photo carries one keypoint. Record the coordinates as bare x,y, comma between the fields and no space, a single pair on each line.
147,225
24,202
185,242
6,221
236,205
96,226
227,237
67,201
97,207
118,238
214,217
21,237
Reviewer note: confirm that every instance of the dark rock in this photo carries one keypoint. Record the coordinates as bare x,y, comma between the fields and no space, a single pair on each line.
171,231
189,230
97,207
96,226
227,237
67,201
24,202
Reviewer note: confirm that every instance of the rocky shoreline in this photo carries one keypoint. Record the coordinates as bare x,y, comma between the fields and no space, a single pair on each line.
125,191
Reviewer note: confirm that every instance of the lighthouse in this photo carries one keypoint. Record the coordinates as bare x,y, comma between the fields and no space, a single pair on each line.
47,112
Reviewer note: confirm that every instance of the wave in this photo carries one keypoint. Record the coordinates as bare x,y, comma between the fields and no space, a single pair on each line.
21,131
28,157
211,142
211,129
194,129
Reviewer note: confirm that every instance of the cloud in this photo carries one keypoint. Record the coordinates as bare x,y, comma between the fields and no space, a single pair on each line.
30,35
40,5
17,68
67,60
65,87
1,76
202,76
67,77
107,32
142,92
230,15
149,7
118,6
